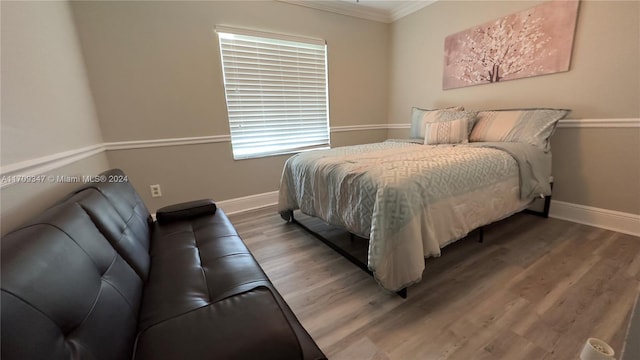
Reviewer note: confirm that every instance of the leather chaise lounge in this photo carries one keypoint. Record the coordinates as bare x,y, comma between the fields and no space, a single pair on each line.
93,277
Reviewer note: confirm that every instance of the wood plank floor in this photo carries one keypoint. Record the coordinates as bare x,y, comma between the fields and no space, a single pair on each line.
535,289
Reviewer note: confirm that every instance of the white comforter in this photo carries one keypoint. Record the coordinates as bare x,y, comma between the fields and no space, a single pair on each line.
410,200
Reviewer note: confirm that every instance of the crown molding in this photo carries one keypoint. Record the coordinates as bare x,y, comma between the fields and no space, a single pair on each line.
408,7
362,11
344,8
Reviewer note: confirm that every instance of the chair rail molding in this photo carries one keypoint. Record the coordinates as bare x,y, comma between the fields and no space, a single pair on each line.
572,123
139,144
599,123
41,165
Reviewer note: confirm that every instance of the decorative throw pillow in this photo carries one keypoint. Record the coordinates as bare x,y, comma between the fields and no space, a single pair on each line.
446,132
531,126
420,117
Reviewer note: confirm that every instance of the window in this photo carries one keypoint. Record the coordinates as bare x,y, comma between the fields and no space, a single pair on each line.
276,92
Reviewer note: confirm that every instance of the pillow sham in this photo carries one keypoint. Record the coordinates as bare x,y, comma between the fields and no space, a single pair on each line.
420,117
531,126
447,132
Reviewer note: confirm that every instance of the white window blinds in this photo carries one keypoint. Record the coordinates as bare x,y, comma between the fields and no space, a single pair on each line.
276,92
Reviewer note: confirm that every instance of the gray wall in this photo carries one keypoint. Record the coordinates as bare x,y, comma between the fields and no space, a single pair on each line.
155,71
150,70
598,167
47,107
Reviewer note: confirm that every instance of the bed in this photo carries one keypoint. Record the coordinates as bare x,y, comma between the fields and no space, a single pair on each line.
413,197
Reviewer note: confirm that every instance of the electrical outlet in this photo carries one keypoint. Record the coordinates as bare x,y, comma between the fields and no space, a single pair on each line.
155,190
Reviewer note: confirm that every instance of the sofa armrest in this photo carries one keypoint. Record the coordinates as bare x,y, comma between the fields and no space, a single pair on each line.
186,210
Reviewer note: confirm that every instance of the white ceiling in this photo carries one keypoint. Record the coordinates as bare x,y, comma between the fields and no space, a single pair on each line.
377,10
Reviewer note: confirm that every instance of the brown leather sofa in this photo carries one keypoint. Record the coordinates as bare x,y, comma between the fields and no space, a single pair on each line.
93,277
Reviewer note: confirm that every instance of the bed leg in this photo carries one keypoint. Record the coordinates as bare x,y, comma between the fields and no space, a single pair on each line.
402,293
547,205
545,210
481,234
287,216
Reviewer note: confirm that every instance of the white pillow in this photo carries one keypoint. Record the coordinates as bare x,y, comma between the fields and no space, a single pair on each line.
447,132
421,116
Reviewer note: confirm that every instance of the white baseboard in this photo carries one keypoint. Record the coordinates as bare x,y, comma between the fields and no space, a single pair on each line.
606,219
248,203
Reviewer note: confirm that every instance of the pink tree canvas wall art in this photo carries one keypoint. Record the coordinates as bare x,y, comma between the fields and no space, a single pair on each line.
533,42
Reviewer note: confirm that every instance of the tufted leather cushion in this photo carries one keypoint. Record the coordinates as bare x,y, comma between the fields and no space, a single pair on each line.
123,218
225,333
92,278
202,269
66,293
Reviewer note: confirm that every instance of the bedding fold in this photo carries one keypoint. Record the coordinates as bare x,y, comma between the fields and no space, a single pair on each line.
534,166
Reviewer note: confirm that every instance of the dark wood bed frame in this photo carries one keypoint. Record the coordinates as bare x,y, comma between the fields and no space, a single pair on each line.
289,217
